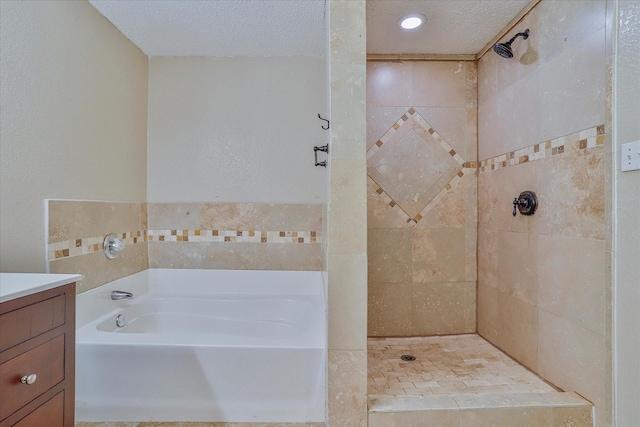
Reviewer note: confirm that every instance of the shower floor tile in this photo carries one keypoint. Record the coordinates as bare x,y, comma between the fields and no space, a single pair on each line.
455,364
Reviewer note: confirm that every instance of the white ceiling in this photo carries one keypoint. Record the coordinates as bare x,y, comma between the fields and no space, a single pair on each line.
220,28
227,28
452,27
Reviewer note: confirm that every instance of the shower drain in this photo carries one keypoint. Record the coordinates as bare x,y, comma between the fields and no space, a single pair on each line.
408,358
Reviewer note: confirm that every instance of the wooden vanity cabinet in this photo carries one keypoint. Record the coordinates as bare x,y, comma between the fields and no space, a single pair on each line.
37,337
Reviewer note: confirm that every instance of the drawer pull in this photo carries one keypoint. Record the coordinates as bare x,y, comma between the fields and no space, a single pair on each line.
28,379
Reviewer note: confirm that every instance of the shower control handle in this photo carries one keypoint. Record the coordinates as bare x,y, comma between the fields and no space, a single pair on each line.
526,203
517,203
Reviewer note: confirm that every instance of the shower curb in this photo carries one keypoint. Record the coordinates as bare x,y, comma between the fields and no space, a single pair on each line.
467,410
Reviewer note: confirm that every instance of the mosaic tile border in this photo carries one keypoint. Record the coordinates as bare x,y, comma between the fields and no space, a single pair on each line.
588,138
245,236
468,167
89,245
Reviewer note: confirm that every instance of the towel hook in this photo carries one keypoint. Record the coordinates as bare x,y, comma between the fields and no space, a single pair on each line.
328,124
324,149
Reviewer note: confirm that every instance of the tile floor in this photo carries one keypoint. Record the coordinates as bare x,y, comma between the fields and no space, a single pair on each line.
187,424
455,364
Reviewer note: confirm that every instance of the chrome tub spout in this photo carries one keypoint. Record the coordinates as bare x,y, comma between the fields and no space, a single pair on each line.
118,295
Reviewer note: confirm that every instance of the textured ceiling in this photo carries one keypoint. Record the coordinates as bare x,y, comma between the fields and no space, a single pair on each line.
227,28
220,28
453,26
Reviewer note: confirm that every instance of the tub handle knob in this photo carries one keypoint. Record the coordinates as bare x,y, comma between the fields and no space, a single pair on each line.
112,245
29,379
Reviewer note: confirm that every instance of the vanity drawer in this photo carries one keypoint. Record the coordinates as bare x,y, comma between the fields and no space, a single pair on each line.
50,414
20,325
46,361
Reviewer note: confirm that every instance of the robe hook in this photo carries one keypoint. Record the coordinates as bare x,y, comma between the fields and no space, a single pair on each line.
325,128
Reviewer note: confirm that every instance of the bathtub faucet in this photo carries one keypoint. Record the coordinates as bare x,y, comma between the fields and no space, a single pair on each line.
117,295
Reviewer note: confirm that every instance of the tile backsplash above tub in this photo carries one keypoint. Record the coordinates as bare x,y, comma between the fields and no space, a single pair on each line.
76,231
240,236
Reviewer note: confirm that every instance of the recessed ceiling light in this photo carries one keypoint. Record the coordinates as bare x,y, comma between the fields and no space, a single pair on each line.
413,21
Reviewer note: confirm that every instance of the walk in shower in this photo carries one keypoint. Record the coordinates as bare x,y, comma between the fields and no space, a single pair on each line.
450,145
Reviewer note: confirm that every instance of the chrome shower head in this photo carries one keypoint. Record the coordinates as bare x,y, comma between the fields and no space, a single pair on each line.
504,49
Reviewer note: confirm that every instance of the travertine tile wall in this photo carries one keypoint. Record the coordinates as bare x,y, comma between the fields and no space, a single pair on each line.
346,216
421,164
542,279
243,236
76,232
235,236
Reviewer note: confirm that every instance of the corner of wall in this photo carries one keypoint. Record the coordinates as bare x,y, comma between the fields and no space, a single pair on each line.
346,216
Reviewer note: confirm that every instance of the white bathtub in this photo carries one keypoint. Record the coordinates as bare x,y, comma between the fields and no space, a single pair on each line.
203,345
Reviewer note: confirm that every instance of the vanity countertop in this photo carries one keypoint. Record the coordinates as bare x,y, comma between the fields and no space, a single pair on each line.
16,285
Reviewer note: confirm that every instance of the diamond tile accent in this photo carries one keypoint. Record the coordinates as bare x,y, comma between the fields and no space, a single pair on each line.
413,165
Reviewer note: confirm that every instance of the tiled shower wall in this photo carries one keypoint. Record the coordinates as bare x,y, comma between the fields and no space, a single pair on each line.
542,288
242,236
421,167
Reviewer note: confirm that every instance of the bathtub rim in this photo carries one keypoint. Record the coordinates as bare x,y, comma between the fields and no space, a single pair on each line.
98,300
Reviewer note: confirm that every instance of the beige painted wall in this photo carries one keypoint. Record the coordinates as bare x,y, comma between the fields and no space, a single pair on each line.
543,293
236,130
73,119
626,208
